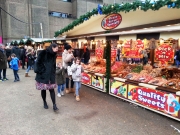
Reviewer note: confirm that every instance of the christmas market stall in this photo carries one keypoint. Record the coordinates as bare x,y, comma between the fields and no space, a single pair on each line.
134,52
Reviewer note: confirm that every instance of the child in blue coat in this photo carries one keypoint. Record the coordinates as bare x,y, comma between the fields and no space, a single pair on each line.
14,65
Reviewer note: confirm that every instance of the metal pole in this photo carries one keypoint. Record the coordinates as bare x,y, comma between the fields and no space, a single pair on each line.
41,30
1,25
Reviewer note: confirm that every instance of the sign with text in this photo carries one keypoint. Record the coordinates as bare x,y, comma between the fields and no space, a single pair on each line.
98,81
99,53
86,78
113,54
139,44
168,103
164,53
111,21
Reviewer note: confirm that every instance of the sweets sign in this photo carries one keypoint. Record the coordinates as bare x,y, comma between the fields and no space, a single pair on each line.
164,53
111,21
168,103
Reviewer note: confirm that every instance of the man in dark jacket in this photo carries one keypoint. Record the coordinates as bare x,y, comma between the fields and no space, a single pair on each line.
3,62
16,50
86,56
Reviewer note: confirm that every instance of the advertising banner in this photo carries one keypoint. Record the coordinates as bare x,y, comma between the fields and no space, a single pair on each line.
98,81
86,78
167,103
118,88
111,21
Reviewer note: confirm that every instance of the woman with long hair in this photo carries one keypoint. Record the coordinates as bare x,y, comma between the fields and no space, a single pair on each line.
45,77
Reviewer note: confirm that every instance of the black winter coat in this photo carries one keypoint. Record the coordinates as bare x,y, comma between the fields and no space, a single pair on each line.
46,66
8,52
86,56
16,50
31,59
3,59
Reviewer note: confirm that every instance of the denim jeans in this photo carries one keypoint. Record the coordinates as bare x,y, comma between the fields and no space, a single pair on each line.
16,76
61,88
77,86
177,63
29,67
67,83
4,73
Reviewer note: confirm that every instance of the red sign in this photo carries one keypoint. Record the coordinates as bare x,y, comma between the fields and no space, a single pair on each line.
99,53
168,103
140,44
164,53
111,21
127,44
113,54
86,78
132,54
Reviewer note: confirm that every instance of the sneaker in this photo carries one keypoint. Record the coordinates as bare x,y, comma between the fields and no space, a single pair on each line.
18,79
15,80
1,80
5,79
62,93
59,95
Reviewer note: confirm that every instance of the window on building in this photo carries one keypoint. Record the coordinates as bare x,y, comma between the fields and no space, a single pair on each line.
66,0
59,14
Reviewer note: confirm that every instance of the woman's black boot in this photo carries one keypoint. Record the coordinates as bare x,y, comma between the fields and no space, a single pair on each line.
45,105
55,107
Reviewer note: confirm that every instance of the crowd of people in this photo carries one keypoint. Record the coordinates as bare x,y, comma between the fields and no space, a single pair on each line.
49,75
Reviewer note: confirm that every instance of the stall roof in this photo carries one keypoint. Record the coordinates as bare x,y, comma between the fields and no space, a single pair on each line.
132,20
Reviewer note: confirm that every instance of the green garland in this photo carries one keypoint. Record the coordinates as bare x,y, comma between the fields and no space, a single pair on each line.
21,42
116,8
108,64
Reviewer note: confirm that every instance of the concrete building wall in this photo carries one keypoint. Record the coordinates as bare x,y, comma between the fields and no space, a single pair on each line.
116,1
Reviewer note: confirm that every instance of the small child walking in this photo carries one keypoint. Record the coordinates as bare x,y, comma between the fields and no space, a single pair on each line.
14,63
60,79
77,69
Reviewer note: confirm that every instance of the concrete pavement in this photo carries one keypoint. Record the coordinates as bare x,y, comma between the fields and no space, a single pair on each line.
22,113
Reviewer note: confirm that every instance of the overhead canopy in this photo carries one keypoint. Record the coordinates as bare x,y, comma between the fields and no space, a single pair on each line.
131,20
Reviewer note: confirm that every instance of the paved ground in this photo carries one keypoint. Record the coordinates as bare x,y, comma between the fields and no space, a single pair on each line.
22,113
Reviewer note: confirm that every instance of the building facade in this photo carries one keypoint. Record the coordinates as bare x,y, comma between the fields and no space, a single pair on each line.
26,16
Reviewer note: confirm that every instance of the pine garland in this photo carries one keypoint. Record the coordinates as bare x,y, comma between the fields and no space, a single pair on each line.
116,8
108,64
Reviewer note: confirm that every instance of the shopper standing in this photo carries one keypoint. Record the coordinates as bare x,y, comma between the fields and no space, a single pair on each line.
8,55
67,60
31,58
14,65
3,62
17,51
45,74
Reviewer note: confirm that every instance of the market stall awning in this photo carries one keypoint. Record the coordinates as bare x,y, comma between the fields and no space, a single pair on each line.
132,20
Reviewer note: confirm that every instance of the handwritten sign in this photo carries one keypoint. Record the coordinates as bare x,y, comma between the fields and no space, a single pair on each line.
164,53
127,44
113,54
99,53
111,21
139,44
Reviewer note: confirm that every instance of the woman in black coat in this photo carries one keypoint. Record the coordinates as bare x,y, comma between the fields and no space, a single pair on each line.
86,56
45,77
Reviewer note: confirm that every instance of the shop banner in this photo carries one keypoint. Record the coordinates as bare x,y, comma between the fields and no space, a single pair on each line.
140,44
99,53
167,103
118,88
0,39
132,54
86,78
164,53
111,21
127,44
113,54
98,81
